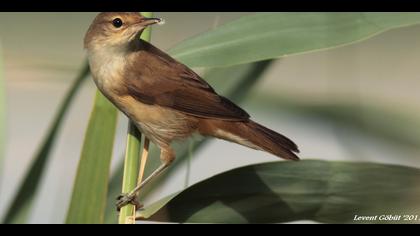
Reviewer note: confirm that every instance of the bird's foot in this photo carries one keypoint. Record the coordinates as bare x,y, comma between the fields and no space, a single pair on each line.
125,199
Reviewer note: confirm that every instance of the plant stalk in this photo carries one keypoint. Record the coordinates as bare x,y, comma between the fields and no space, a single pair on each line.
132,156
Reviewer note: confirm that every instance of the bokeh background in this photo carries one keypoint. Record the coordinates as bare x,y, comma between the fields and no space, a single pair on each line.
42,53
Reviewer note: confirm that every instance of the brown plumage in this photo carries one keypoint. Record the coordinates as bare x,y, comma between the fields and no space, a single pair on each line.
179,88
164,98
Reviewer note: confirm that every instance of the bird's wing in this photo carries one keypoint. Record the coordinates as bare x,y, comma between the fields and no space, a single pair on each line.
163,81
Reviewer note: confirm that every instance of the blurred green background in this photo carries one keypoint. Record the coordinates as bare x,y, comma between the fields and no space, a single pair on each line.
358,102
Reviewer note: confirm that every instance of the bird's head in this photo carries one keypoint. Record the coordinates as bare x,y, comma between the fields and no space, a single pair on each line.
116,29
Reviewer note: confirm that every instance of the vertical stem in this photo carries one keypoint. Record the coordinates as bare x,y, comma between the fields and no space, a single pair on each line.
131,164
132,156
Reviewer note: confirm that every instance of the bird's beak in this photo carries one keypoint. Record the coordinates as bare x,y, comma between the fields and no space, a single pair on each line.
138,27
150,21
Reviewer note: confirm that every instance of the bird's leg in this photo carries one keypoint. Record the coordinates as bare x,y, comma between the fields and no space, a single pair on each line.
143,160
167,156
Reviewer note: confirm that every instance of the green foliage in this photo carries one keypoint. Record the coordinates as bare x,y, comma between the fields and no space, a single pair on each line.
271,35
91,184
323,191
22,201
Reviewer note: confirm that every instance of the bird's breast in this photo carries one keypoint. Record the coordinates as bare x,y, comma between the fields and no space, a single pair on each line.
107,71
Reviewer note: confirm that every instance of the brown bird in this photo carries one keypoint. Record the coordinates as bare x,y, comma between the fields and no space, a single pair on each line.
164,98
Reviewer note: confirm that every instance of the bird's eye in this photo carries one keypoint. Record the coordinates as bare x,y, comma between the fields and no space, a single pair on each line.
117,23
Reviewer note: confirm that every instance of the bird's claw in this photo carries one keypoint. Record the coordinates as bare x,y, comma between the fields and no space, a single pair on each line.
125,199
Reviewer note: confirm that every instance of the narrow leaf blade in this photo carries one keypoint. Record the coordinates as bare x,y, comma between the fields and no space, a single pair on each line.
91,185
271,35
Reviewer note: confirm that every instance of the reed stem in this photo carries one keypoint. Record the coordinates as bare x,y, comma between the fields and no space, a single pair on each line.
132,156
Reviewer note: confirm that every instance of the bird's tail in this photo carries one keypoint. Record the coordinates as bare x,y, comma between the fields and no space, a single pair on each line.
256,136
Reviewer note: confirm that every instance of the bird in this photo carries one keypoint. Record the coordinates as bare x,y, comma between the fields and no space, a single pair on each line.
166,100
